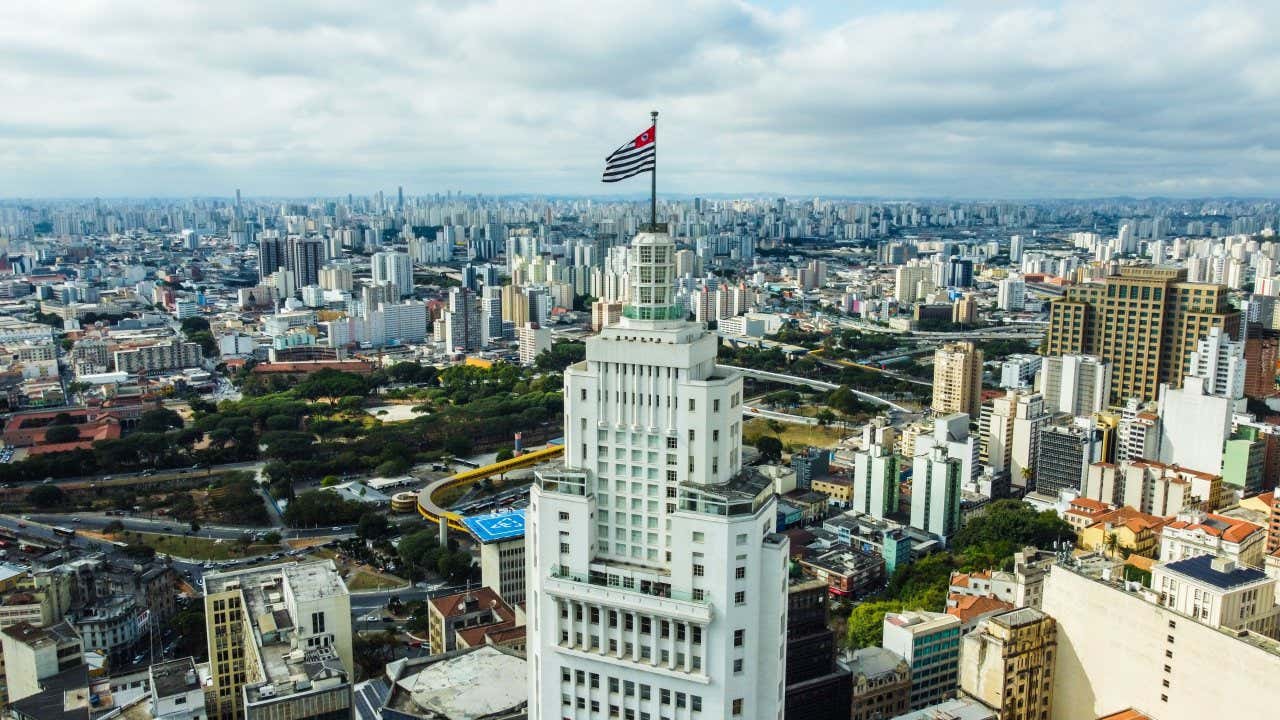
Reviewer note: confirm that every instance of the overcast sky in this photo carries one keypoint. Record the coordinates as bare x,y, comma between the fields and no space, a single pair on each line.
977,100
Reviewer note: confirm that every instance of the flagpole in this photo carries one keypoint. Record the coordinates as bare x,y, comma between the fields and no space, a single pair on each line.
653,175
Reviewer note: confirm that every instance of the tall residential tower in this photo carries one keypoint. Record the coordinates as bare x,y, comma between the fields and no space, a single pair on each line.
655,584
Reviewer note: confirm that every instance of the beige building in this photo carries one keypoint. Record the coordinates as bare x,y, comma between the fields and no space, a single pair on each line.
1146,322
1007,662
964,311
881,684
35,654
957,379
336,277
1199,533
1219,593
1121,649
171,355
279,642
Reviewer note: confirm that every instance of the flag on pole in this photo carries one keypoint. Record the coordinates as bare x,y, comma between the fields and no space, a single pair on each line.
635,157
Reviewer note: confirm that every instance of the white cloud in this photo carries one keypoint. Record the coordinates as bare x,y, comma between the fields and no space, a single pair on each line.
299,98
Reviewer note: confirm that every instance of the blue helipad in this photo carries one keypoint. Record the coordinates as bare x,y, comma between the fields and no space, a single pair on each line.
496,526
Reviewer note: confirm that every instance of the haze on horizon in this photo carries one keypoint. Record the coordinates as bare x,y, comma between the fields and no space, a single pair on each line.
961,100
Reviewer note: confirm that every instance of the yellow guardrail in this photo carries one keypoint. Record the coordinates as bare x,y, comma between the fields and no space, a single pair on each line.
428,508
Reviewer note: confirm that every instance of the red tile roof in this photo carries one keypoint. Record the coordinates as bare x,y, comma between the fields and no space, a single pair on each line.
971,607
1236,531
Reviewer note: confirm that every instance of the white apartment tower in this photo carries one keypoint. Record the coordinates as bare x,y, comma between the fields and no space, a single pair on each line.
655,585
1220,361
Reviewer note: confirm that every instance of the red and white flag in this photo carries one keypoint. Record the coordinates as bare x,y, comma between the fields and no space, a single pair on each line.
639,155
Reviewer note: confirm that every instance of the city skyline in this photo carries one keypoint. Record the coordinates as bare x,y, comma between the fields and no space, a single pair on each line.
950,100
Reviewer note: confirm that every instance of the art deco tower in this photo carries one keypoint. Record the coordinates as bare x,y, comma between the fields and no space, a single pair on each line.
657,587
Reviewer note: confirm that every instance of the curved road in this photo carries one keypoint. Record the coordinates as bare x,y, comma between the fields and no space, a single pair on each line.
816,384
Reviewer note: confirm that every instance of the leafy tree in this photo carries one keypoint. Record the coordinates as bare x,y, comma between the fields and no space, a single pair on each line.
46,496
189,627
561,355
115,527
866,623
329,481
332,384
194,324
272,538
58,434
159,420
371,653
1009,525
321,507
504,454
195,526
770,447
454,565
62,418
373,526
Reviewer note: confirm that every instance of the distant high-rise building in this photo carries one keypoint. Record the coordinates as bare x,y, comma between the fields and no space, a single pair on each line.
462,321
395,269
270,256
957,379
935,492
875,480
1220,361
533,339
306,255
1261,354
1012,294
964,311
1146,322
1015,249
1064,455
1075,384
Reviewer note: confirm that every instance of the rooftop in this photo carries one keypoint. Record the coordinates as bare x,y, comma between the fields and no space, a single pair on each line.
1208,569
873,662
484,682
175,677
1019,617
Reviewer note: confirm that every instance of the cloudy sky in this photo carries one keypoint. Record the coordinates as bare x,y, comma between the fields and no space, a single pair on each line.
898,99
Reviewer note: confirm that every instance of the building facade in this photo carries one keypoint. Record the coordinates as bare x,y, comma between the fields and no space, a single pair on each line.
1007,662
1145,321
633,609
957,379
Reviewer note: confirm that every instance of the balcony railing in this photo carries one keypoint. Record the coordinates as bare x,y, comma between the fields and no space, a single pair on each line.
657,590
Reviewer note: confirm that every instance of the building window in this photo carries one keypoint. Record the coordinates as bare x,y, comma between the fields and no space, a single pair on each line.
740,572
715,405
698,571
699,594
740,598
317,623
564,515
739,637
737,665
671,443
737,707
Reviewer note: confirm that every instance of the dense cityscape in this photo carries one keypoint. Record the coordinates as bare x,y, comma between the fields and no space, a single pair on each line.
456,456
347,372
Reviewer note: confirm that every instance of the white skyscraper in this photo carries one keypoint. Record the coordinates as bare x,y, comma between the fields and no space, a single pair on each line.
1220,361
394,268
1075,384
1012,294
656,587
